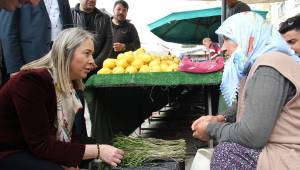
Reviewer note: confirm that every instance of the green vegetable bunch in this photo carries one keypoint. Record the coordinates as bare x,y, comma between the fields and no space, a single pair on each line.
139,151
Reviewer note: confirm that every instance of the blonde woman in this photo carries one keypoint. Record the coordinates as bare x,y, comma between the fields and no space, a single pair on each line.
38,106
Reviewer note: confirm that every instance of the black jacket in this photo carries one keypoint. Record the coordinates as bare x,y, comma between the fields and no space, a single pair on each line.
99,24
125,33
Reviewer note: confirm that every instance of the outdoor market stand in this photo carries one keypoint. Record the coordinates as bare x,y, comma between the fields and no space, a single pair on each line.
119,103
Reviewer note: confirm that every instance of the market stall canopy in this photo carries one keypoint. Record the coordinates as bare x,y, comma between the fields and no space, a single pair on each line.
190,27
260,1
251,1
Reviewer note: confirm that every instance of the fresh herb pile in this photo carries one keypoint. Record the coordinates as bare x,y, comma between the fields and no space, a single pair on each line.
139,151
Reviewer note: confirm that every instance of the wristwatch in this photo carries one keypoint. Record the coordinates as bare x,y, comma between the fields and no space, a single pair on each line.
225,118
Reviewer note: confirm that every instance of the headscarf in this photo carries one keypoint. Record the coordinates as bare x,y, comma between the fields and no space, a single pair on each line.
254,37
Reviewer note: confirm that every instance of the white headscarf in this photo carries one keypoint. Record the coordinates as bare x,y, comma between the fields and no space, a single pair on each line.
254,37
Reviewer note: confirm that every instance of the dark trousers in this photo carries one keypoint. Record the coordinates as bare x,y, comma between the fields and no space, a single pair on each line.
27,161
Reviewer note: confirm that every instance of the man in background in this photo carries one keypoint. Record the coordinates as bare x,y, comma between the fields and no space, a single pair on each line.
87,16
28,32
290,30
125,35
235,6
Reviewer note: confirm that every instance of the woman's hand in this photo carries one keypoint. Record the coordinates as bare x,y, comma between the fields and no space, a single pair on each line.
111,155
200,130
199,127
210,118
71,168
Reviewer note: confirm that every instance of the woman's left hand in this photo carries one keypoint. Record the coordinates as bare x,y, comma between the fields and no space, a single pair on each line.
199,126
210,118
111,155
200,130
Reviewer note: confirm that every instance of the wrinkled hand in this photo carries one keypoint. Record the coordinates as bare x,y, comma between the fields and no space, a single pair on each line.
118,47
200,130
210,118
111,155
199,127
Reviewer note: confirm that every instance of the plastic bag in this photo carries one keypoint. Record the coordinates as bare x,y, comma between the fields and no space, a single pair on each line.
187,65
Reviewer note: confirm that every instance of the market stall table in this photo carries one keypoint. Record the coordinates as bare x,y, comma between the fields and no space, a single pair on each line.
97,94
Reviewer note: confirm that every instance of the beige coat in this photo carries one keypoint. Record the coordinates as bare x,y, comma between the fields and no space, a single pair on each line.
282,151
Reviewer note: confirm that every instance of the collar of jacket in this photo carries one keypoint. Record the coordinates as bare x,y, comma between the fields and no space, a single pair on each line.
121,25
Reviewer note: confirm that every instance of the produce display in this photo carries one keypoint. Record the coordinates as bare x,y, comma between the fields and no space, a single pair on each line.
139,151
139,62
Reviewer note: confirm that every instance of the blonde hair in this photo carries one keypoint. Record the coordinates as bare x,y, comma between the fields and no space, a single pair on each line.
59,58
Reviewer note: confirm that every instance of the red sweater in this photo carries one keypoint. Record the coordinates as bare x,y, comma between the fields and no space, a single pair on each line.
27,115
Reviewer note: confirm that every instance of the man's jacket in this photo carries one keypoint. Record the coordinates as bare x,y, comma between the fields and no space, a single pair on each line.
126,33
99,24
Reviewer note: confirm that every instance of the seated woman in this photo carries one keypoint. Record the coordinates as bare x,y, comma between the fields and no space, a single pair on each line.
38,106
265,132
212,47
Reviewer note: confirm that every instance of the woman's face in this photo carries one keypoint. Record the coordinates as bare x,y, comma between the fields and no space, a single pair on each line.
82,60
229,46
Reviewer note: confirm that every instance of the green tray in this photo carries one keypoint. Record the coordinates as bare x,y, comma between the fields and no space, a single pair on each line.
153,79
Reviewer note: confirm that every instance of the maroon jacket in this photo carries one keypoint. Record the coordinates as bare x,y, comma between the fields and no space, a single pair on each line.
27,115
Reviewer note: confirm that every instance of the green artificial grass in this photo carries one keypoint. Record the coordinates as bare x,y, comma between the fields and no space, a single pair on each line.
153,79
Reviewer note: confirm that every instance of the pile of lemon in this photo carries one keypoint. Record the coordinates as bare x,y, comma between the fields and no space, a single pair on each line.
139,62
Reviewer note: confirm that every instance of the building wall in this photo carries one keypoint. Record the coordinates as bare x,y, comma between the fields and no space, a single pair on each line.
280,11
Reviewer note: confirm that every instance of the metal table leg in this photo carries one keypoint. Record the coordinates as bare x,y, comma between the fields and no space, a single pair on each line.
209,103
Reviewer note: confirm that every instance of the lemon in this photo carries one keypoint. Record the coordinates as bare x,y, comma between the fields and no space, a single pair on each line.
137,63
130,69
170,62
122,63
154,62
174,67
109,63
128,56
144,69
169,69
164,67
155,68
163,58
146,58
176,60
154,57
118,70
120,56
104,70
139,51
